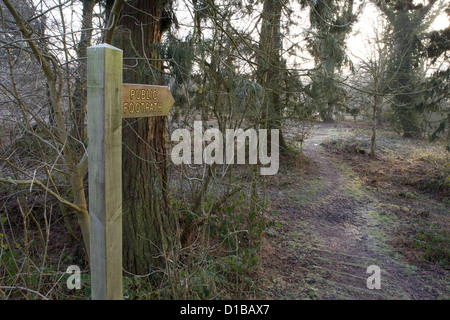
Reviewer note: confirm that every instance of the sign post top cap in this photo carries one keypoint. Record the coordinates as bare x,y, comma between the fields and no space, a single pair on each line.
104,45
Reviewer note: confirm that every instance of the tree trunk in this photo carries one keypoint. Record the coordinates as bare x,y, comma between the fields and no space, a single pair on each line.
404,105
269,66
327,113
374,125
80,92
147,226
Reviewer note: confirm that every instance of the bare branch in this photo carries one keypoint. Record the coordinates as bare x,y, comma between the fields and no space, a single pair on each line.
113,19
43,187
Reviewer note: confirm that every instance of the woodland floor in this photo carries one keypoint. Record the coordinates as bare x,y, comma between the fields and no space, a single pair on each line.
333,226
339,214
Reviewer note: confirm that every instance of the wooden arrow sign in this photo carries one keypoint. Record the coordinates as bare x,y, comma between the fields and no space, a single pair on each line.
139,100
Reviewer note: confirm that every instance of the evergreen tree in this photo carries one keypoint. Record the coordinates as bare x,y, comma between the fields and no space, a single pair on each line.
331,22
436,47
408,22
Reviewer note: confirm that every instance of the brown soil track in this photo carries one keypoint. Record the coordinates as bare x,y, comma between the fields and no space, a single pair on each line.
329,238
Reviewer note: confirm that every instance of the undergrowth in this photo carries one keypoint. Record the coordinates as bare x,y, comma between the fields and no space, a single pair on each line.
217,263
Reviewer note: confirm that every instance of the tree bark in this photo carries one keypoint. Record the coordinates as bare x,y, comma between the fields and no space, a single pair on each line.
269,66
147,226
80,93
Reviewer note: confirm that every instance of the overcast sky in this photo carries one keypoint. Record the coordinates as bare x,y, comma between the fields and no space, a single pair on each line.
369,20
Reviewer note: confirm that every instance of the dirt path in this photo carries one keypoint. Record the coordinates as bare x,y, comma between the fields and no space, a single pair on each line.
333,228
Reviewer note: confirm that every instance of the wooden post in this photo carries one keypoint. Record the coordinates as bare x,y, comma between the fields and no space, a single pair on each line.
105,170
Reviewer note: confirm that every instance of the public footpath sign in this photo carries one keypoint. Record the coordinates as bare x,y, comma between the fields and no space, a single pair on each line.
109,100
145,100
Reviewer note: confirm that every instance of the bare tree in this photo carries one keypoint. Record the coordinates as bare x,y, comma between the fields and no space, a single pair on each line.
62,154
374,68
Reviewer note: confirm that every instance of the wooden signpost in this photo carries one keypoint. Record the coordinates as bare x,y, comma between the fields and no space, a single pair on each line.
109,100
